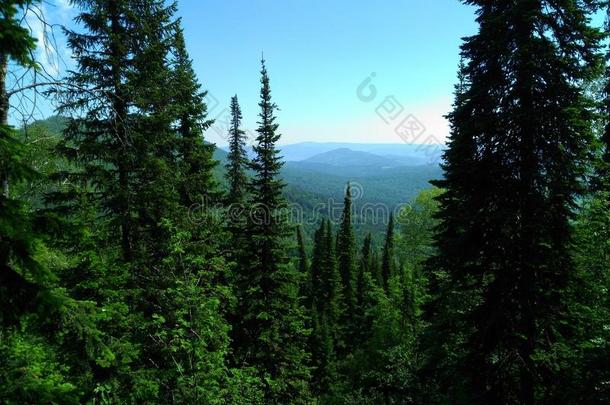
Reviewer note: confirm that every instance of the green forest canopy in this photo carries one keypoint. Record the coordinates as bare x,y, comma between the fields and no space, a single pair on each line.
490,287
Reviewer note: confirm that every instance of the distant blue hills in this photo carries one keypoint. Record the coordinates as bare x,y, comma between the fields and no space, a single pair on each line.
414,154
390,174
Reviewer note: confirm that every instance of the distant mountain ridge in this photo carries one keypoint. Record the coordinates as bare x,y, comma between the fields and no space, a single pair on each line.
326,175
349,157
390,175
415,154
305,150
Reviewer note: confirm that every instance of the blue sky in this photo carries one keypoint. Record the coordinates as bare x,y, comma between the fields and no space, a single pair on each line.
318,53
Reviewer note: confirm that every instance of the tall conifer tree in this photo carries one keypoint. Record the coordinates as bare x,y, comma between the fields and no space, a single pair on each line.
303,267
237,160
272,317
303,261
237,178
346,259
387,258
327,305
18,239
138,161
520,133
364,286
196,157
97,189
42,327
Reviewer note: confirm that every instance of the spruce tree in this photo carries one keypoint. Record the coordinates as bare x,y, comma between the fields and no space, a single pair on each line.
376,269
18,238
590,301
387,259
327,309
364,286
272,324
196,162
183,299
303,261
138,161
109,164
98,141
364,268
303,267
38,315
520,133
346,260
315,269
237,160
331,291
320,341
237,178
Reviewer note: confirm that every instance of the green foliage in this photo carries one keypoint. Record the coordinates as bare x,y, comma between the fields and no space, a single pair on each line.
31,371
16,41
417,223
590,309
383,369
196,163
388,265
36,312
327,308
120,283
520,140
303,267
271,334
237,161
346,261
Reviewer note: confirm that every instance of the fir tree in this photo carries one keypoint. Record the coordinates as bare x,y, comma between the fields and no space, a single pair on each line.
590,304
237,178
106,166
327,308
137,156
18,238
387,259
376,269
37,314
272,317
346,260
98,142
303,261
315,269
331,291
303,267
196,162
237,160
521,130
364,286
364,268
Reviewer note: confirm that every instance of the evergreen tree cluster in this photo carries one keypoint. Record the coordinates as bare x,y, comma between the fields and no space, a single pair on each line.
128,274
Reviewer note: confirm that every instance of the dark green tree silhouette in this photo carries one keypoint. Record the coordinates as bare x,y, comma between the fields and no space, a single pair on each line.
520,137
237,160
387,257
272,334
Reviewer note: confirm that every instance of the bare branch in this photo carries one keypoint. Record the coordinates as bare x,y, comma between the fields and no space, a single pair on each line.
32,86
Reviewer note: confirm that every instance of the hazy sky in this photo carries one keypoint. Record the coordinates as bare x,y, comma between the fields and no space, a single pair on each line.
318,54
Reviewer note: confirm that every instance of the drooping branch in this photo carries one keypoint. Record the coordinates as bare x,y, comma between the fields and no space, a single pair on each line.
34,85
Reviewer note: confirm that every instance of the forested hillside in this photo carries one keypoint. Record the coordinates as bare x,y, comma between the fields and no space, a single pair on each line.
140,264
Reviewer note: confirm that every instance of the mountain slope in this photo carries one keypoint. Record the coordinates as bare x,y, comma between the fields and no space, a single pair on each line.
347,157
417,154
